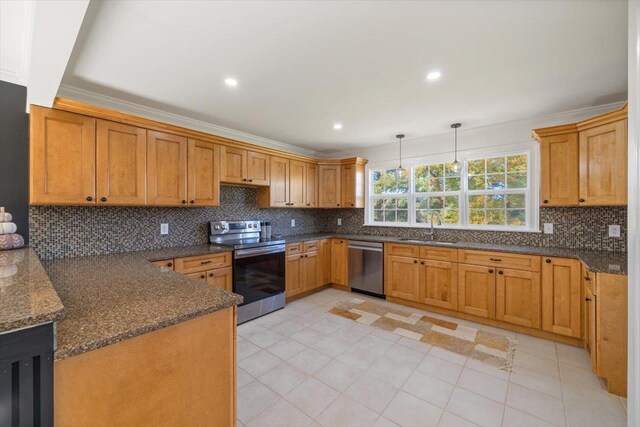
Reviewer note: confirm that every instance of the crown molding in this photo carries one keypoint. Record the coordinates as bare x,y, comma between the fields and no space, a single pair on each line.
97,99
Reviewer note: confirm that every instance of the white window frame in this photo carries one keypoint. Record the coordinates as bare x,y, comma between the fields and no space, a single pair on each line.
531,193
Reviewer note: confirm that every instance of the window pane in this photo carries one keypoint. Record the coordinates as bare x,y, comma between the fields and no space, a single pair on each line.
421,177
496,201
495,182
450,216
436,184
448,170
436,202
515,201
390,181
476,217
422,216
422,203
477,167
403,216
401,203
496,165
378,216
517,180
452,184
389,216
476,182
517,163
495,217
452,202
389,203
516,217
477,202
436,171
377,203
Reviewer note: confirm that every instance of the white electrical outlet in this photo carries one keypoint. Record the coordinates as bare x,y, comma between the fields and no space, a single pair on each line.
293,222
339,221
614,231
164,228
548,228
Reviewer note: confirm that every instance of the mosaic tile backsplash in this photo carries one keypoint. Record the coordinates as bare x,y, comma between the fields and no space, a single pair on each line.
62,231
574,227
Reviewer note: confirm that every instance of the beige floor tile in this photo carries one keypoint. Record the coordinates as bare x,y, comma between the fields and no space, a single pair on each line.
326,327
245,349
353,333
373,392
516,418
331,346
579,376
389,336
247,330
384,422
536,363
536,346
252,399
307,336
485,368
346,412
312,397
450,356
484,385
576,356
358,356
428,388
538,404
309,361
420,346
289,327
281,414
440,368
581,400
242,378
536,381
283,379
259,363
285,349
388,370
408,411
475,408
266,338
452,420
339,375
405,356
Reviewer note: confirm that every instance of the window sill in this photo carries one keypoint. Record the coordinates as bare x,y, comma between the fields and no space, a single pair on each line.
427,226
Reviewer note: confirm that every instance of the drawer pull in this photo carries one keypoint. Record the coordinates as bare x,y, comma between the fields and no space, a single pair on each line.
490,271
500,272
587,299
205,262
169,264
588,279
545,201
210,274
548,261
202,276
496,259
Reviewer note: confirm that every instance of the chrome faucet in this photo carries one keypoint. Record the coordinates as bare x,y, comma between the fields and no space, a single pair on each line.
432,232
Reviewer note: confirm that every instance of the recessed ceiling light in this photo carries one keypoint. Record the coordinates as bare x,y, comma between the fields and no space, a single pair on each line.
337,126
231,82
434,75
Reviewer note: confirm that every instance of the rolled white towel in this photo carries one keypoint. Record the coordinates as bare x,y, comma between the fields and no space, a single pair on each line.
8,228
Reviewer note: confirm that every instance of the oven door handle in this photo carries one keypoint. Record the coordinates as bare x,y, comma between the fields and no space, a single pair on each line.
246,253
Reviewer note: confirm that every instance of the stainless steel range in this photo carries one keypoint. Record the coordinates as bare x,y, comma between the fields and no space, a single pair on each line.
258,266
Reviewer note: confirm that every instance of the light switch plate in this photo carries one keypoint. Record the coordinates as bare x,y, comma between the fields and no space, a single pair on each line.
339,221
293,222
548,228
164,229
614,231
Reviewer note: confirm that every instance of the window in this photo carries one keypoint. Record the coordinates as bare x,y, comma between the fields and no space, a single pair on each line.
490,192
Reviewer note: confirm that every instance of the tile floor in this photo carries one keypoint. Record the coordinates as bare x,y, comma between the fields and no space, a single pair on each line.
302,366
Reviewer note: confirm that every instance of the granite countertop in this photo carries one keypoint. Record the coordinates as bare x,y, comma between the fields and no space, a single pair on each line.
596,261
27,296
109,298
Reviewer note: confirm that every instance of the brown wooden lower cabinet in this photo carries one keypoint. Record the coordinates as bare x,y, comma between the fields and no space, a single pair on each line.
477,290
324,261
340,262
303,270
221,278
561,301
183,374
518,297
402,277
294,276
214,269
439,284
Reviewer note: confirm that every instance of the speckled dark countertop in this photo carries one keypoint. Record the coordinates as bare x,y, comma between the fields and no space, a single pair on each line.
109,298
596,261
27,296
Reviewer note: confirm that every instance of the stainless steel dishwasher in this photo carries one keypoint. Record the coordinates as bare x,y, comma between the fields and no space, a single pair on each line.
366,267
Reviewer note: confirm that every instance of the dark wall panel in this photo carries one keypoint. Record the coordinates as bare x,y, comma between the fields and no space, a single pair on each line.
14,154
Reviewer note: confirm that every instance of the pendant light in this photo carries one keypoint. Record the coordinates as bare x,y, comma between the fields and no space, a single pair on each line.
400,136
456,164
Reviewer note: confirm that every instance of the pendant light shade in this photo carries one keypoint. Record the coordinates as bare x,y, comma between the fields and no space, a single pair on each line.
400,136
457,167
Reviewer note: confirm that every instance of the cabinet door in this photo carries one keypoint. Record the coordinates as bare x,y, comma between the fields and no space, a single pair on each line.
279,189
233,165
559,170
221,278
203,174
339,262
603,165
477,290
561,296
324,271
200,276
402,277
348,186
439,283
329,186
63,153
591,326
518,297
310,270
293,275
310,185
258,168
296,183
166,169
121,164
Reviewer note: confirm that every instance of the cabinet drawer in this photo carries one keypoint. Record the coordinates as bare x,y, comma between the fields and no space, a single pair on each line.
402,250
202,262
500,259
438,254
166,263
295,248
311,246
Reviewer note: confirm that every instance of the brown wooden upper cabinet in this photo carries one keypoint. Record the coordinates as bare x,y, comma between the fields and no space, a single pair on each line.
585,163
62,158
329,177
341,185
352,185
203,174
293,184
240,166
166,169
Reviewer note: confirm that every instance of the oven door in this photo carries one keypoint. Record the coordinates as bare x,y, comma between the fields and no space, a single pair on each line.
258,273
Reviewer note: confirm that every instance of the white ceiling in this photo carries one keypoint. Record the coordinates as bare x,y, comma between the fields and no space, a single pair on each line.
302,66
